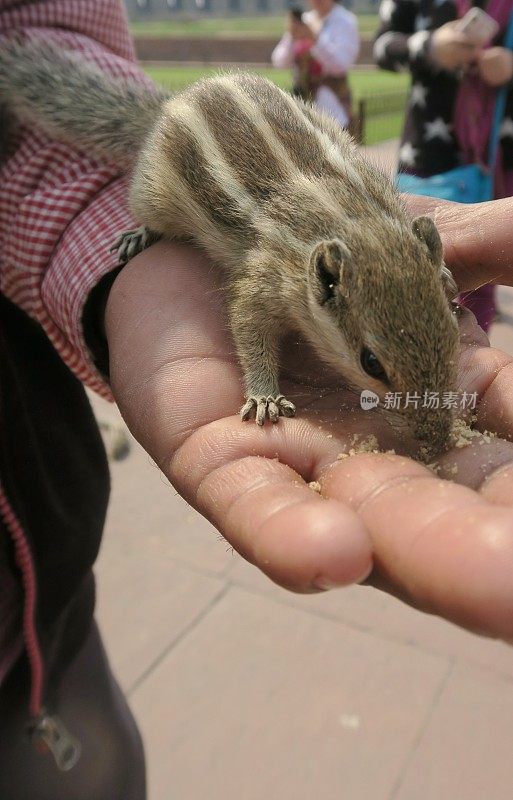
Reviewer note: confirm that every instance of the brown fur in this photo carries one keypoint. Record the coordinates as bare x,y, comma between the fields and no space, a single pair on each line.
313,237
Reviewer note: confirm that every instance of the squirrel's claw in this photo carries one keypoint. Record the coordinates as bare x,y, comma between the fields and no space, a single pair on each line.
131,243
269,407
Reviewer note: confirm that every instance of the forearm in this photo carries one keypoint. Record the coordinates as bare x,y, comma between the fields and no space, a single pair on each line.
391,40
398,45
282,55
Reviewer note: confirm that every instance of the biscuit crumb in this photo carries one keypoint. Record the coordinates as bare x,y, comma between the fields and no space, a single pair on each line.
462,434
368,445
437,468
315,486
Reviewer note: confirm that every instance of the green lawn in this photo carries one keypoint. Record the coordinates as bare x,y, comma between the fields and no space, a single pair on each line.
229,26
363,82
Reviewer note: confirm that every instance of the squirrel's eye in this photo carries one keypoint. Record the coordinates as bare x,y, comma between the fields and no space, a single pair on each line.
371,365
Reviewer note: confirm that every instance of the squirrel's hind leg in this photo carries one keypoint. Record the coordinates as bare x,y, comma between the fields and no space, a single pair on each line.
131,243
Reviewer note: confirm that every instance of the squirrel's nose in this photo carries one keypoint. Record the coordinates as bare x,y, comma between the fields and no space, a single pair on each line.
433,430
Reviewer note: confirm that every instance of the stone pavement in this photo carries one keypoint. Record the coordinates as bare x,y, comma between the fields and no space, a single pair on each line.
244,691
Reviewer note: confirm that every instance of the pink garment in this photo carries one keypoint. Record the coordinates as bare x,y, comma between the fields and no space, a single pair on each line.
482,304
11,605
473,115
475,102
300,48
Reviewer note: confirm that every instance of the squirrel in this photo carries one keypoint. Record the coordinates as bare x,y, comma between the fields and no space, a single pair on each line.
312,236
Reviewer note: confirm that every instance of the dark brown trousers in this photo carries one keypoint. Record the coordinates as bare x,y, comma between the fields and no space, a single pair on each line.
54,471
93,708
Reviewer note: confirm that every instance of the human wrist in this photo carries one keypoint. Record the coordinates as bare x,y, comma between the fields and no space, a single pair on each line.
509,79
431,52
435,55
94,320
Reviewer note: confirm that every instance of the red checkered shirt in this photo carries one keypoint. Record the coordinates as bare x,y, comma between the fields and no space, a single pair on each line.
60,210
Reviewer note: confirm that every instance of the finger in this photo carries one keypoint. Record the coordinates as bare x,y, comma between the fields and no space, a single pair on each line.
265,508
482,463
489,372
477,239
438,545
273,411
463,45
497,487
495,412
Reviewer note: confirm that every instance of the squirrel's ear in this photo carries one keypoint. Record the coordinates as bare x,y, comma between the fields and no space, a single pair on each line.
329,264
425,230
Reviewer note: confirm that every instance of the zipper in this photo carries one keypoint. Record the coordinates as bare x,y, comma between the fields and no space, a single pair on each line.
47,732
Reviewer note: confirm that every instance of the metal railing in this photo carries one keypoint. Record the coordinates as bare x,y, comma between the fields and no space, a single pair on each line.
379,117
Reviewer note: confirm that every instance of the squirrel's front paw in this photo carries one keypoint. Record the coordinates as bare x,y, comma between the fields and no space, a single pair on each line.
131,243
271,407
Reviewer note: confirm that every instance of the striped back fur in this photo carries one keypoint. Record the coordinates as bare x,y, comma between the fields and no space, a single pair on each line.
242,163
261,181
267,186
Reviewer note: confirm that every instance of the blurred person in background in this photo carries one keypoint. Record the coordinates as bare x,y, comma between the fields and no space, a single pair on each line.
454,84
321,45
305,68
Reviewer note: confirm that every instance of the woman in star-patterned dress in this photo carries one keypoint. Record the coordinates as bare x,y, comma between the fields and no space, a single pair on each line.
452,95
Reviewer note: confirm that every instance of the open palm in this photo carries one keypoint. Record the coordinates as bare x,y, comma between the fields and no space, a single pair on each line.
443,546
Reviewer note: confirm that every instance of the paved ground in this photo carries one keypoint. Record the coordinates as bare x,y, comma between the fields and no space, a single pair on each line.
246,692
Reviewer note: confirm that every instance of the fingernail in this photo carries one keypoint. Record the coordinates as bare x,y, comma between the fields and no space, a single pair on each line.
327,584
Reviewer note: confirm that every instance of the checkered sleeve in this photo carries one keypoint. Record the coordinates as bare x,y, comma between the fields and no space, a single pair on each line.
60,209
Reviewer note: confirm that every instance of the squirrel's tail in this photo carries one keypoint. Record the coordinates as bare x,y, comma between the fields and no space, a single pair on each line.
73,101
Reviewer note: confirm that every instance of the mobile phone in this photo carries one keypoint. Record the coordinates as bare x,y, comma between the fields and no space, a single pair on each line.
478,26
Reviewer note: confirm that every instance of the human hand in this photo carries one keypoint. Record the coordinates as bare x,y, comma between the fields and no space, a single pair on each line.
477,238
444,547
299,30
495,66
451,49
